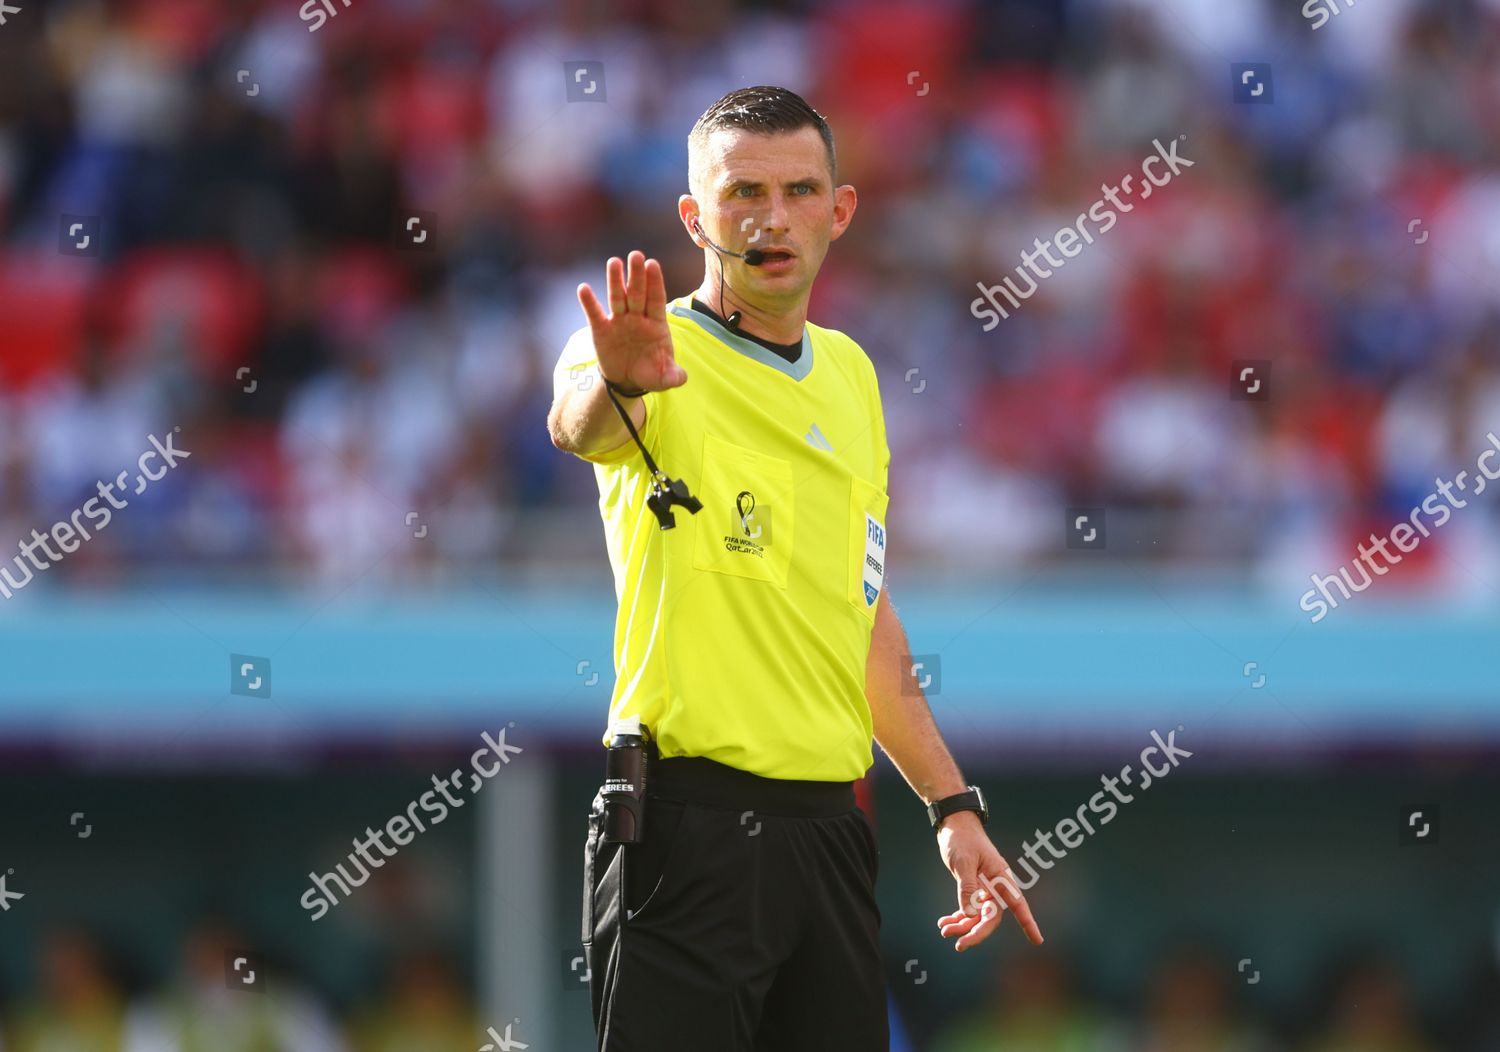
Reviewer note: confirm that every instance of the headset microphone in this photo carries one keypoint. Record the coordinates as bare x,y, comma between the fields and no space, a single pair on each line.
753,257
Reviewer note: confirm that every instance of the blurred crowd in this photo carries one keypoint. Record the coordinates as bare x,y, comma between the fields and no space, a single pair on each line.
84,1002
1190,1004
342,256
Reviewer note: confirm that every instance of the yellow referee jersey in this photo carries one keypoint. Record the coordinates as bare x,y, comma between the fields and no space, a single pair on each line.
742,634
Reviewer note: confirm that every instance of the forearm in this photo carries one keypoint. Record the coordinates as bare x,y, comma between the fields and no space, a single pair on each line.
586,421
904,726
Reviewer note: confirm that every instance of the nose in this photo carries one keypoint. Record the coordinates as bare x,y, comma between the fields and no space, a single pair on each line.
777,217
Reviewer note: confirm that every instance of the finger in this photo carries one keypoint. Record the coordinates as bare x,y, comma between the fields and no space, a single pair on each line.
989,923
615,275
635,285
961,926
958,915
592,309
971,931
656,291
1016,902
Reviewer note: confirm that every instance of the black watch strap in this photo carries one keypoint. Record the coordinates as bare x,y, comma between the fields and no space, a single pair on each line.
971,799
624,392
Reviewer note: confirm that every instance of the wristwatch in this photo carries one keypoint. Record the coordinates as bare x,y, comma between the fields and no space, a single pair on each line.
971,799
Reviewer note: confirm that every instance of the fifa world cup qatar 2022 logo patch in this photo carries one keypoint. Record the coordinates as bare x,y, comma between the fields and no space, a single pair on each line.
749,526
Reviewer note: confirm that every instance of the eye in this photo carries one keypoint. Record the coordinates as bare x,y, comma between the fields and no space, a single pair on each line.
803,186
744,191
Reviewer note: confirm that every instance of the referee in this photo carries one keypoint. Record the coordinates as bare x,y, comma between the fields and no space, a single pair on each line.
754,641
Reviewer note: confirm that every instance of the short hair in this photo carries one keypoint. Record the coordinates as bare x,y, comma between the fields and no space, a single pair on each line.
764,110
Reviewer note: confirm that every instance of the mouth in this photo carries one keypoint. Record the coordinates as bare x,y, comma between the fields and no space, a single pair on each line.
772,257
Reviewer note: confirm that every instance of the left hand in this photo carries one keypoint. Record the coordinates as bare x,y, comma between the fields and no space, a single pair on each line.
969,854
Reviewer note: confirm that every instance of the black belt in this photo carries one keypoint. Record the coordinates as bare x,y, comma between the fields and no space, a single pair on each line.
698,780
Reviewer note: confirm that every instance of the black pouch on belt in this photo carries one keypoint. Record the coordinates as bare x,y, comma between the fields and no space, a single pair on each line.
626,768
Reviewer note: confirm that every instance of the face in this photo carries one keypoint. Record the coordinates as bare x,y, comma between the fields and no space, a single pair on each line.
771,192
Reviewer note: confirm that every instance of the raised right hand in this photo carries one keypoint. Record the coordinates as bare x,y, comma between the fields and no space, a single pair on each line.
633,344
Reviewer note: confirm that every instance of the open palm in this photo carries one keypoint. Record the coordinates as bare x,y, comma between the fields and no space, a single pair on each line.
633,343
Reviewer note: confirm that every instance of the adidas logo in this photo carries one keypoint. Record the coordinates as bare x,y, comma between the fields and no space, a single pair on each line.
815,437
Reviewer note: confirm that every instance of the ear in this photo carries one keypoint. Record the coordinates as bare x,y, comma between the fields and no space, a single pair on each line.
845,200
687,211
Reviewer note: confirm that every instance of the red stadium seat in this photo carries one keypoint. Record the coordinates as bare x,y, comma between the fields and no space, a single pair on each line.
43,312
358,288
219,297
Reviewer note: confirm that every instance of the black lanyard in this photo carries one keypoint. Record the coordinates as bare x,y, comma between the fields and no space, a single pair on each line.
665,491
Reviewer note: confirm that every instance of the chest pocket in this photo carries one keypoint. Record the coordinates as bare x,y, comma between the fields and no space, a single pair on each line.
749,513
867,508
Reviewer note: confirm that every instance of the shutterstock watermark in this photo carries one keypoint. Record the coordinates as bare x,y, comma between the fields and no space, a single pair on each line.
1403,535
1320,12
69,534
309,13
319,898
1067,239
1070,831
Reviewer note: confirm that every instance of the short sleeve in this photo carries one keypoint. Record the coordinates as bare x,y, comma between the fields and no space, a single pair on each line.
882,452
576,366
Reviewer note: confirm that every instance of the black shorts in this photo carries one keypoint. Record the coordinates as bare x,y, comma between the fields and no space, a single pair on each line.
744,921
